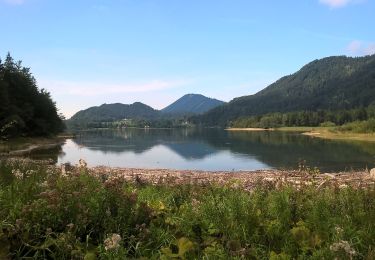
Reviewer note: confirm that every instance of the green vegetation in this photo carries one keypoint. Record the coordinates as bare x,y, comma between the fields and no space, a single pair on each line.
47,213
113,112
133,123
332,84
358,127
141,115
24,109
323,118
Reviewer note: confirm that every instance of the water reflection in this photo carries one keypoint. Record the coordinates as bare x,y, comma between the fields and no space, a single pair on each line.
214,149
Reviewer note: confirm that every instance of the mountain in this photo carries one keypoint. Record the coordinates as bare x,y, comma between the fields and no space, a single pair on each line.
188,104
192,104
113,112
331,83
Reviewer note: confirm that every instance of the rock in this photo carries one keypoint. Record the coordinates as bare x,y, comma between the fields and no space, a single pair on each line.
372,173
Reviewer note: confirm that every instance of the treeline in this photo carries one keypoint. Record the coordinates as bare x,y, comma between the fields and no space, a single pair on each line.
141,123
25,110
306,118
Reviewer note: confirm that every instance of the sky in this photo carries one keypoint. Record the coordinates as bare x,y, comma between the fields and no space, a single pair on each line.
90,52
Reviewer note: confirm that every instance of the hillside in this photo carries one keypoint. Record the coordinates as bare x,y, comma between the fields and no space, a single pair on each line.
187,105
192,104
113,112
332,83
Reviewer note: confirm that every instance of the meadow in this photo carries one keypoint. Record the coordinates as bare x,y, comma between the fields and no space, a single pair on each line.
47,212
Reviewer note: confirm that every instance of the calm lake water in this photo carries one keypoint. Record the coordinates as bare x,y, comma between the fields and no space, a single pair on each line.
212,149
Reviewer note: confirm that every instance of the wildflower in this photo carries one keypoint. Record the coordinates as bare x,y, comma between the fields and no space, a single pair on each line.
339,230
82,163
343,246
70,226
63,171
112,242
44,184
195,203
28,173
19,222
17,173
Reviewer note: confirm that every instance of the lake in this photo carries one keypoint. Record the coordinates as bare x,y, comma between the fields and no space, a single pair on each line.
211,149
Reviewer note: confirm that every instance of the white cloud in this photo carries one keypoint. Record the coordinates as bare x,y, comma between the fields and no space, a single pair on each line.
359,48
90,89
14,2
73,96
336,3
370,49
354,46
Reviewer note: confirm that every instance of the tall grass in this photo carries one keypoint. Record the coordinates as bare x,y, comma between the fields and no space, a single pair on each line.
48,213
358,127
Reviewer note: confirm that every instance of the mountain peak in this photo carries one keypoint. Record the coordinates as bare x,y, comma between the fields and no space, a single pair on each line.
192,104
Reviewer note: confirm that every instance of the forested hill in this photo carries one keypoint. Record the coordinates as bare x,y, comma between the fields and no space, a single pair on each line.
192,104
25,110
332,83
186,105
113,112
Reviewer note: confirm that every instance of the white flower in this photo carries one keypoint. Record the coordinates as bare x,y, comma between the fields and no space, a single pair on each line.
343,246
63,171
112,242
339,230
82,163
29,173
17,173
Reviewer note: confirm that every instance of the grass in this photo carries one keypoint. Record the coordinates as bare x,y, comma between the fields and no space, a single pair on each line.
364,127
47,213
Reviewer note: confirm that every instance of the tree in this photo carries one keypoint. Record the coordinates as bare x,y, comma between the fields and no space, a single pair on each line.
24,109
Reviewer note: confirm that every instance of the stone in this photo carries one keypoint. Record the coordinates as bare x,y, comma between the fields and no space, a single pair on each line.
372,173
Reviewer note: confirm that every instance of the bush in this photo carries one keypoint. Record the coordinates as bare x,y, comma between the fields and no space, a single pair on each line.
327,124
358,127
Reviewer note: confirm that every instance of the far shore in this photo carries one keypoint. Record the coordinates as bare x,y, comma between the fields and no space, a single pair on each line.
250,129
341,136
320,132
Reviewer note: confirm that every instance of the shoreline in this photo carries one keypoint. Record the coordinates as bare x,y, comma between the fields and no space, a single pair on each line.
319,132
251,129
341,136
21,146
247,180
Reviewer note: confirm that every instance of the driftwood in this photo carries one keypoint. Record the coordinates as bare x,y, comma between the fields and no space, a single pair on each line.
244,179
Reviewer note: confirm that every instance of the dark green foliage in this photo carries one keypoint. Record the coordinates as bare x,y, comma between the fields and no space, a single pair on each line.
306,118
192,104
24,109
158,122
358,127
333,83
113,112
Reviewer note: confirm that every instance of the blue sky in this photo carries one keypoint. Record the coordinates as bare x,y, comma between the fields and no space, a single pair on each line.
89,52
